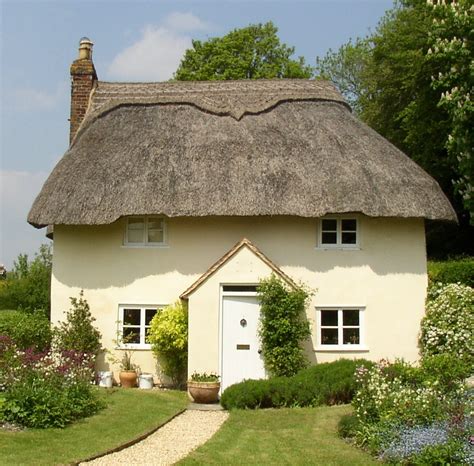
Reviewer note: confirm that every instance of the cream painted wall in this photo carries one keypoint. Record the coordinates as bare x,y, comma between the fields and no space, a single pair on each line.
387,276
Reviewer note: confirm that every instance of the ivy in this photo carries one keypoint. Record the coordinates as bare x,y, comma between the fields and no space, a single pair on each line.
283,326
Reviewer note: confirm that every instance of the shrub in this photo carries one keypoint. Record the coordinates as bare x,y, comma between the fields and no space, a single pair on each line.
169,340
45,389
28,285
452,271
347,426
77,332
328,383
28,330
283,326
448,326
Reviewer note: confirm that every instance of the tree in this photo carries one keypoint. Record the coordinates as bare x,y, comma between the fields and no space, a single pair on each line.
451,53
388,76
28,286
253,52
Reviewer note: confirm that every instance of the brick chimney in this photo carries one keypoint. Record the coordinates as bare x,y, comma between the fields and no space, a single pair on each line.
83,78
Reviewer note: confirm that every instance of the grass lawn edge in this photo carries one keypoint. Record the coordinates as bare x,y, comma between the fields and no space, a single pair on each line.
130,442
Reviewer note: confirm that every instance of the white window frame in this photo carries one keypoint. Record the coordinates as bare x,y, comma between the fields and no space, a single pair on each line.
142,307
341,347
339,244
145,243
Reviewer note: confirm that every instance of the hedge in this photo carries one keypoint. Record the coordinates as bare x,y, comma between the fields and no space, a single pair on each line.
452,271
322,384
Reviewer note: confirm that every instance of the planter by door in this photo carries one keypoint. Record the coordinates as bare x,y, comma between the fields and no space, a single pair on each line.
204,392
241,355
128,379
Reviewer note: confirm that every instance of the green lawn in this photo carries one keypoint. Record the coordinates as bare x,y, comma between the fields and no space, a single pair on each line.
129,414
280,436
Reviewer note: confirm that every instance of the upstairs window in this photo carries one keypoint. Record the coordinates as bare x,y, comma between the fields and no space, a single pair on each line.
145,231
338,233
135,325
340,327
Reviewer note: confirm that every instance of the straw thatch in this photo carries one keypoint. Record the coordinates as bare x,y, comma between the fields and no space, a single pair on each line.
282,147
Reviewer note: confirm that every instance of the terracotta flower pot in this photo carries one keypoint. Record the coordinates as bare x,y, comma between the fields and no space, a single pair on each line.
128,379
204,392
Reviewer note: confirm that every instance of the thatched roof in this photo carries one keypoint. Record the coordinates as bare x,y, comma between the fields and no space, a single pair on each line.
245,148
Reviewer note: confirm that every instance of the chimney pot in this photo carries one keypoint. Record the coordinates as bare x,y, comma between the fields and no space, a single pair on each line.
85,49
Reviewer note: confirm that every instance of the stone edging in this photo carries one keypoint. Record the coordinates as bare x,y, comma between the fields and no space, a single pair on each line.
129,443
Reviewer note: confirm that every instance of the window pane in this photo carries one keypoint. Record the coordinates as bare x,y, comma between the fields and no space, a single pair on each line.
149,314
329,318
329,225
349,224
155,236
131,335
131,317
329,238
136,223
348,238
350,317
155,224
350,336
329,336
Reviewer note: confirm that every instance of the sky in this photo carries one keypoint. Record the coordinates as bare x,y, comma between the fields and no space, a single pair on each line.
133,41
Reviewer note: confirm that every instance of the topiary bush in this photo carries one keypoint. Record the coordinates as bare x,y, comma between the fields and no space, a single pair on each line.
283,326
169,340
27,330
322,384
448,326
452,271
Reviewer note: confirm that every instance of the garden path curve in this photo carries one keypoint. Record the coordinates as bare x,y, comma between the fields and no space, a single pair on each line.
172,442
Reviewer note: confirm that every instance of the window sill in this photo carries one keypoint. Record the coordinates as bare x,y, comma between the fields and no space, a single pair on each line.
145,246
133,348
339,348
338,248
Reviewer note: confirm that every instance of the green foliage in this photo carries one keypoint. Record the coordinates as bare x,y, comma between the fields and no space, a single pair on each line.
253,52
43,390
28,285
77,332
283,326
27,330
452,271
392,82
204,377
169,340
448,326
451,52
347,426
322,384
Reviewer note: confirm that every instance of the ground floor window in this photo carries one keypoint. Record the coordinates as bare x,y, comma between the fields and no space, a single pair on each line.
339,327
134,324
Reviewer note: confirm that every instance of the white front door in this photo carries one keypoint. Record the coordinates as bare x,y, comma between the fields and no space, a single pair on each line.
241,358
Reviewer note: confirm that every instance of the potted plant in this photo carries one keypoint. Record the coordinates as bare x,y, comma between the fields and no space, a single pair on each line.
128,371
204,387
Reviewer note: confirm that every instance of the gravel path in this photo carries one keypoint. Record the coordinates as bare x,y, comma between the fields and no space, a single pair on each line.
171,443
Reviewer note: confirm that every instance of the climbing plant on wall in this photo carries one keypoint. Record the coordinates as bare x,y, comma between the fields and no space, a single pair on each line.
283,326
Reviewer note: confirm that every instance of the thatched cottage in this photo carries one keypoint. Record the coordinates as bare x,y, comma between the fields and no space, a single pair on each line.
197,190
